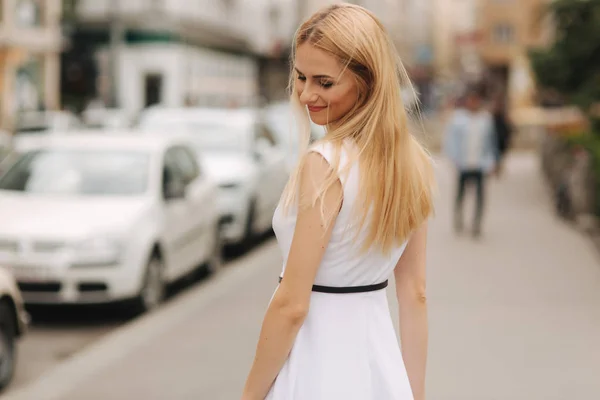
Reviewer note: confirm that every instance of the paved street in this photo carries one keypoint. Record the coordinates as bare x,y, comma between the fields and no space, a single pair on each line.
515,315
56,335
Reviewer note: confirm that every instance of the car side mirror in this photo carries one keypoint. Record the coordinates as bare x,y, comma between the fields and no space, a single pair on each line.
261,147
173,188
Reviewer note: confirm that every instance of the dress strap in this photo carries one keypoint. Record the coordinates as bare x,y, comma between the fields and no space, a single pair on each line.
348,289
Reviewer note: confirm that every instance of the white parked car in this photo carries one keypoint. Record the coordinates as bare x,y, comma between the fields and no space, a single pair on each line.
33,126
241,154
102,217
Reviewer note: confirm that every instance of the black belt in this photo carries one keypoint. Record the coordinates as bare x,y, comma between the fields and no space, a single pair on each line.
348,289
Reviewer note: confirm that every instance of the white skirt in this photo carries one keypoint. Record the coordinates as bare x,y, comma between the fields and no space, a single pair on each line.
346,350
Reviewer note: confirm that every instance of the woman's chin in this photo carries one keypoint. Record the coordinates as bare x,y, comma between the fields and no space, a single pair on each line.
319,119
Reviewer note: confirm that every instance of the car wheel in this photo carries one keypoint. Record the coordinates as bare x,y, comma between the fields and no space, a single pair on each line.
8,353
250,233
216,258
153,288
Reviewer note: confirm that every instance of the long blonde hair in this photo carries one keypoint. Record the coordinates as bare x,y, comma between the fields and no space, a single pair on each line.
396,173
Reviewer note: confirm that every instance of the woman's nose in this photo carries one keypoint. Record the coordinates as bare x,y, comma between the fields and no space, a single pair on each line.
307,97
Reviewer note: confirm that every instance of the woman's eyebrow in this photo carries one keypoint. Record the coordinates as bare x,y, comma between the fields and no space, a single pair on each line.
314,76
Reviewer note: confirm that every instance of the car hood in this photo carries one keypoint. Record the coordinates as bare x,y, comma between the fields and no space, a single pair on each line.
48,217
228,168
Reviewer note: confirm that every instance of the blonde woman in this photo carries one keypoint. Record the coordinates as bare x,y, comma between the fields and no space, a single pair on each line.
353,213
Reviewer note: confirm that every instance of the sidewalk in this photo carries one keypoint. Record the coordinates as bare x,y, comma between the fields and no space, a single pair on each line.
513,316
429,129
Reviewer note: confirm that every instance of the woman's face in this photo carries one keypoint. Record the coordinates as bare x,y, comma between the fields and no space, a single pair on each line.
323,86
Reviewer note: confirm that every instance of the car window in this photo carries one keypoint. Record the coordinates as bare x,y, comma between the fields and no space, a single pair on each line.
76,172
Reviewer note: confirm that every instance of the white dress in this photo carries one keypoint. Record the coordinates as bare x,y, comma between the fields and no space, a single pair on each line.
347,348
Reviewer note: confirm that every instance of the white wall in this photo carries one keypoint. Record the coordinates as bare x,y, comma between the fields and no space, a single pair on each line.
212,74
137,61
186,71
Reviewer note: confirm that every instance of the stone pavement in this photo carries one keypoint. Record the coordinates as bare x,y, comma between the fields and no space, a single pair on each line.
513,316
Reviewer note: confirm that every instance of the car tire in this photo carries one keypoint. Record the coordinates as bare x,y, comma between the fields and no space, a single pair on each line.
8,350
250,234
215,262
153,290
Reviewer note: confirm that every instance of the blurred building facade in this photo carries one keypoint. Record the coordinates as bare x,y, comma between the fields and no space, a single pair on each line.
508,29
135,53
407,21
487,41
455,39
415,42
172,52
30,46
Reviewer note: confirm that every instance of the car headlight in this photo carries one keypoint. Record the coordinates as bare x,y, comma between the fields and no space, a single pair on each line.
97,251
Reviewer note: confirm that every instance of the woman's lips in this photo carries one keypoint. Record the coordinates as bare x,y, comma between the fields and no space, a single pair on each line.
315,108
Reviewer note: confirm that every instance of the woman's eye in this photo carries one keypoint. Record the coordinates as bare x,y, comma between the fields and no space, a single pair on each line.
301,78
326,84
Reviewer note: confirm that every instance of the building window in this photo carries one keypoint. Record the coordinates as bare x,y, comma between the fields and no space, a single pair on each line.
504,33
29,85
29,13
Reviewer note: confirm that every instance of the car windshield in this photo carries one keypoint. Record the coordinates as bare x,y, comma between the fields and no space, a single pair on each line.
79,173
211,136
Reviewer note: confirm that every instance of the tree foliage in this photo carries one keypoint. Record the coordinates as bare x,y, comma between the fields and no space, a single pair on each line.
571,65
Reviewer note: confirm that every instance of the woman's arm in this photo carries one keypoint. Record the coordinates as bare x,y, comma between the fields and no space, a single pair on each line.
289,306
412,301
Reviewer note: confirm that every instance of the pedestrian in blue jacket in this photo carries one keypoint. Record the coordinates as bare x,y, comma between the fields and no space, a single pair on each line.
470,142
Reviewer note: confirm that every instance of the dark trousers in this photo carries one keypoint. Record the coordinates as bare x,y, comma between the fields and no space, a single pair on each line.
466,179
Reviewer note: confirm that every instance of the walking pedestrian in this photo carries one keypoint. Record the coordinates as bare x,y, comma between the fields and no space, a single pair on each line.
503,131
470,142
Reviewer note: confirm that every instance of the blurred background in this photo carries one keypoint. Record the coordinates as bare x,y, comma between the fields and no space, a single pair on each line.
72,55
144,145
